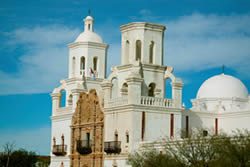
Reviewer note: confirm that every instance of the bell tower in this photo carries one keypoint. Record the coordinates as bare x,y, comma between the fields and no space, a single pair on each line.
87,55
142,41
86,71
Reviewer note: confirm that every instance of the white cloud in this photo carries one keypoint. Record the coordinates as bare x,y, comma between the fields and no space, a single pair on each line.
37,140
199,42
52,35
192,43
144,15
44,61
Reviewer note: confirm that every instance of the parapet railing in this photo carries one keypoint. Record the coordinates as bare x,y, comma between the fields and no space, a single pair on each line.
84,147
112,147
156,101
145,100
59,150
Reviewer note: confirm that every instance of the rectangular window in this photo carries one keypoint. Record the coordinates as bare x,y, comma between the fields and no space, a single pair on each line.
95,63
87,136
187,126
143,126
172,125
216,126
87,139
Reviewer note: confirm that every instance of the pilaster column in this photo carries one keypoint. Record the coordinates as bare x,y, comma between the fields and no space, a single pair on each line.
177,85
134,89
106,87
55,102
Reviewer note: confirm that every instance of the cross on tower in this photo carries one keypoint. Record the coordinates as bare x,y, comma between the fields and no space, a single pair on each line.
223,69
89,12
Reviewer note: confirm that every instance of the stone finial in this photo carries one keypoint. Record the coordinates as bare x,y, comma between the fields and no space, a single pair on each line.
54,141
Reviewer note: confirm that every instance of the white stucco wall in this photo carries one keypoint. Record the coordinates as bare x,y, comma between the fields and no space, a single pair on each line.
234,121
61,126
89,50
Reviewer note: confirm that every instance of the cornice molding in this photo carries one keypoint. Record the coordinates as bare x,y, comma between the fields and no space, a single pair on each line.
88,45
142,25
138,108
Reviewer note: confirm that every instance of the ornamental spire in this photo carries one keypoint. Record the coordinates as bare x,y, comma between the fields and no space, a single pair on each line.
89,22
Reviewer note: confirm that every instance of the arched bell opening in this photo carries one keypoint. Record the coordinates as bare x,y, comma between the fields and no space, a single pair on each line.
82,65
138,50
151,52
62,102
151,89
124,89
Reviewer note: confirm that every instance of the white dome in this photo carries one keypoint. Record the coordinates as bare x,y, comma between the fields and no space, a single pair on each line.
89,18
222,86
89,36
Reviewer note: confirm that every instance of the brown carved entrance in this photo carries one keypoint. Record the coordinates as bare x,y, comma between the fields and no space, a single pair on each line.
87,132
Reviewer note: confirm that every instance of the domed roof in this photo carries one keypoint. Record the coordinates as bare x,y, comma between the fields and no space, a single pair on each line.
222,86
89,18
89,36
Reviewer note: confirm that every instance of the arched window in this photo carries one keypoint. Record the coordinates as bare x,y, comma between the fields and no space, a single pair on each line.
82,65
168,88
151,89
138,50
124,90
95,63
127,49
125,85
73,65
63,98
151,52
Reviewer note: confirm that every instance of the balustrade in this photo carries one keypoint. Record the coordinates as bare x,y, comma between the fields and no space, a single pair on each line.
155,101
112,147
145,100
59,150
84,146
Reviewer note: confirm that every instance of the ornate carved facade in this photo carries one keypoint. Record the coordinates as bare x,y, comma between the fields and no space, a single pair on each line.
87,132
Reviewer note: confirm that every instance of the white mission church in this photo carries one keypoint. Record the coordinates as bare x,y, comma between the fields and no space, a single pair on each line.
106,118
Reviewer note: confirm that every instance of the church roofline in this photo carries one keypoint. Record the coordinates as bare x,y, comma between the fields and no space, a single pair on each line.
144,65
142,25
95,44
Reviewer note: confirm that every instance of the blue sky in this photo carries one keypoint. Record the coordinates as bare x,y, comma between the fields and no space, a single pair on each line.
201,36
